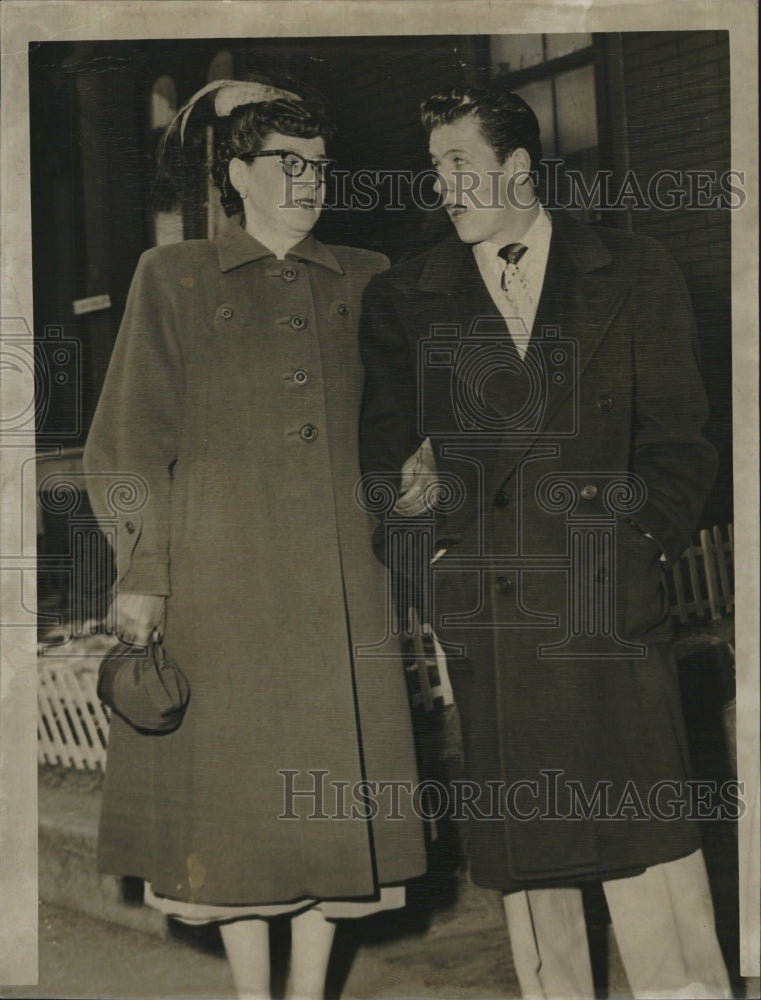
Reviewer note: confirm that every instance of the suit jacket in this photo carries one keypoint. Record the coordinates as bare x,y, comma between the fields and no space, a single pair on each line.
563,465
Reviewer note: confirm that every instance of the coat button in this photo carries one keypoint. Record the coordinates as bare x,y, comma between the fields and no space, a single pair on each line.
226,312
343,309
504,584
308,433
501,499
601,576
289,274
130,528
604,402
589,492
298,322
300,377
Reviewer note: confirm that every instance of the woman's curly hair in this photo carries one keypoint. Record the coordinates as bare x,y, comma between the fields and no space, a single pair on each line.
181,153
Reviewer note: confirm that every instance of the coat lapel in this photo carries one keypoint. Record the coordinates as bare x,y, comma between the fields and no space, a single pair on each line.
580,299
579,296
451,271
450,309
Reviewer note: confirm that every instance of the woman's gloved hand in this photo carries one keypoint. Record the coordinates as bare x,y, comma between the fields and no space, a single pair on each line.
418,491
137,615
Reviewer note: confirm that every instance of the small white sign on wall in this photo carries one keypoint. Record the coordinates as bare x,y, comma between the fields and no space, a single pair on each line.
93,304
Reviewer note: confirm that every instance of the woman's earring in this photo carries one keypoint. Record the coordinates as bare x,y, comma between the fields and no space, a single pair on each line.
244,193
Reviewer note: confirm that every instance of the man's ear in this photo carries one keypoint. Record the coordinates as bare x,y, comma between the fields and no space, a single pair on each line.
519,162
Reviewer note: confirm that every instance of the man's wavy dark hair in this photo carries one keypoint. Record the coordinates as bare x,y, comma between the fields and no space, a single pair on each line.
507,122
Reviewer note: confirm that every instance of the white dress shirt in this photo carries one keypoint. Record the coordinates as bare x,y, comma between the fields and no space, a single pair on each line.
532,266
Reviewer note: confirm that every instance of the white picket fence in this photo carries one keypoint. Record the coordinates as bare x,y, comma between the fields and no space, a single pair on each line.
72,724
703,579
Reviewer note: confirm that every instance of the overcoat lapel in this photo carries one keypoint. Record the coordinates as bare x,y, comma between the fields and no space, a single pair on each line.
579,299
578,303
453,288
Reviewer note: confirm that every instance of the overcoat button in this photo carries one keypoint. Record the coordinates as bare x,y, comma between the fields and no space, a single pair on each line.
130,528
301,377
226,312
289,274
298,322
308,432
501,499
589,492
504,584
343,309
604,402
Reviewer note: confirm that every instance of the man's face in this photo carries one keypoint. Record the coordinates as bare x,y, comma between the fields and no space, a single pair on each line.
479,193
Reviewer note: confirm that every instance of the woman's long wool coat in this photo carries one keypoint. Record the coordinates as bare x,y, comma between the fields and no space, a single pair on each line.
229,416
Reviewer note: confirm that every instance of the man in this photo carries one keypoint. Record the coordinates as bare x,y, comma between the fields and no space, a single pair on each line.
548,369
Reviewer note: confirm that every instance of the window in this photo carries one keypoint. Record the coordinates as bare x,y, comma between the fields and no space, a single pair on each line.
557,74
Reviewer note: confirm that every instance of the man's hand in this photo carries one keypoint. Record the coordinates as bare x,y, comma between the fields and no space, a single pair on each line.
137,615
419,482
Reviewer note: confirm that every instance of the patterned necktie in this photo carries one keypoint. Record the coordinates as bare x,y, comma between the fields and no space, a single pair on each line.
512,253
518,294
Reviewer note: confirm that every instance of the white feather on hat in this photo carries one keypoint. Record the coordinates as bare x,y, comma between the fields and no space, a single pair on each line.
231,94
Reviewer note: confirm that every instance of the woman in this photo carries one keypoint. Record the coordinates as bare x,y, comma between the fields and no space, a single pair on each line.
233,394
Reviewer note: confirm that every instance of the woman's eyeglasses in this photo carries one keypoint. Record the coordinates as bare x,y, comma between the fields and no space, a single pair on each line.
293,164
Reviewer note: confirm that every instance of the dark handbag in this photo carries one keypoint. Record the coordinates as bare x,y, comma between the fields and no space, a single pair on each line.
143,686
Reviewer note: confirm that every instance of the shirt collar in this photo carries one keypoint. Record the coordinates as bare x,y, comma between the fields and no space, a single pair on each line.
536,237
236,247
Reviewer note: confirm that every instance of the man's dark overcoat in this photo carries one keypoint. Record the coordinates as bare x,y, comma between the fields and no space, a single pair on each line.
565,463
230,410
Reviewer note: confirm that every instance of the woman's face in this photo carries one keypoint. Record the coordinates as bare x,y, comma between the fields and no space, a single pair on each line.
288,206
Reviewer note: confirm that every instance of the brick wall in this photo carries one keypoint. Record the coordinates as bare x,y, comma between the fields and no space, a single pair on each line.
678,117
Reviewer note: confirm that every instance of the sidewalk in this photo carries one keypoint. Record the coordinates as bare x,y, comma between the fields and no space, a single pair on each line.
81,957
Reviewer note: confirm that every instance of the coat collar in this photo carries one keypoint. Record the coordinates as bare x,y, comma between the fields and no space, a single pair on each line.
237,247
448,262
